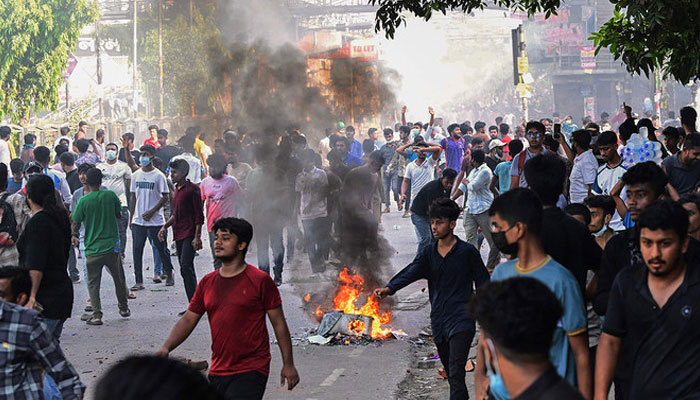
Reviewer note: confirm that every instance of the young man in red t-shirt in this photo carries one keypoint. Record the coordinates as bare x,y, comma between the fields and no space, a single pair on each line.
236,298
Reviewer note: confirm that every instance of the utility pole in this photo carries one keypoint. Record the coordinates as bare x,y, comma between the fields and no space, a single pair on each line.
99,68
133,65
520,67
160,52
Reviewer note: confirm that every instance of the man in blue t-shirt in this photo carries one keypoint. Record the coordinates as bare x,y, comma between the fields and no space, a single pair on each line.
342,145
517,220
454,147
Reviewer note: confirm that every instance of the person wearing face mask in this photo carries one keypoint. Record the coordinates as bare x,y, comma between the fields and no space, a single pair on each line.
517,360
602,209
495,155
585,166
116,176
517,221
149,193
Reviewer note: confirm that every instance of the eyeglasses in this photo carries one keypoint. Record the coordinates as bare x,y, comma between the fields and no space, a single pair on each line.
534,134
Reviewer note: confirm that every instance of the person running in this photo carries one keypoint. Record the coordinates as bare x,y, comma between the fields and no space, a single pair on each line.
649,332
186,220
240,295
451,267
98,210
149,193
517,221
517,360
116,176
220,193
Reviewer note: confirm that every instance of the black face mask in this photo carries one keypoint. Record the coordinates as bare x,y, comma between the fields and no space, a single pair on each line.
500,241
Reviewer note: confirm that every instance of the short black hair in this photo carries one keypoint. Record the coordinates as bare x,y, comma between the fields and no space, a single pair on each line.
443,207
504,129
67,158
335,139
627,129
216,160
307,155
520,315
582,138
405,129
93,177
65,130
377,157
664,215
493,128
479,156
367,146
673,132
452,127
546,175
82,123
388,131
148,149
99,133
82,145
236,226
648,173
20,282
607,138
163,132
42,154
152,127
579,209
180,165
479,124
349,128
16,166
449,173
519,205
689,116
515,146
129,136
5,131
84,168
476,141
537,125
29,138
157,162
60,149
691,141
605,203
187,143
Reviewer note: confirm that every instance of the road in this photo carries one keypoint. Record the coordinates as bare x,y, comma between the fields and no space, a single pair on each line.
373,371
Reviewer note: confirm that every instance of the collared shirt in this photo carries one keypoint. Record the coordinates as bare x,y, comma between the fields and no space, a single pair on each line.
356,148
352,161
387,152
431,191
682,178
660,352
479,196
550,386
313,189
450,283
605,180
27,349
187,209
573,322
583,174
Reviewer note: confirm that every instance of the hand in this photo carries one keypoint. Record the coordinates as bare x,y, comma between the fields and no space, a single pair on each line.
197,243
75,241
162,352
404,109
290,374
30,303
127,144
628,110
161,234
431,111
382,292
148,215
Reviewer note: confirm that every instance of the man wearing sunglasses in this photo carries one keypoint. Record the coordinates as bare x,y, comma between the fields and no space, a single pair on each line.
534,133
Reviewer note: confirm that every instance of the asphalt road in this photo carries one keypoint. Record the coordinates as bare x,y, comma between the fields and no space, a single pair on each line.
372,371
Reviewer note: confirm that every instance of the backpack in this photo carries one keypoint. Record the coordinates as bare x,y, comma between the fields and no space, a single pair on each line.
521,162
8,223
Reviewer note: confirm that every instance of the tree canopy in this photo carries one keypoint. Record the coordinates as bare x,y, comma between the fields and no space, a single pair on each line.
36,37
647,35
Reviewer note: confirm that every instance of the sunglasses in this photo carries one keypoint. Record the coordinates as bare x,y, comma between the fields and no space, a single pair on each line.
534,134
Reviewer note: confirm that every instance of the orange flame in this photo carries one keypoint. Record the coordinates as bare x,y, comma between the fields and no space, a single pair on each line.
357,326
307,297
349,292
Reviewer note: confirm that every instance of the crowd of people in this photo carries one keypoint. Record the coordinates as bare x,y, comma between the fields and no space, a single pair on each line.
589,277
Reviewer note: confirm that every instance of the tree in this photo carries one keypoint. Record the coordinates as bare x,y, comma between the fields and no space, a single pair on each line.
36,37
647,35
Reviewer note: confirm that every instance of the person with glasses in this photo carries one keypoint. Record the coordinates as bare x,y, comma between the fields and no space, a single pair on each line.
534,133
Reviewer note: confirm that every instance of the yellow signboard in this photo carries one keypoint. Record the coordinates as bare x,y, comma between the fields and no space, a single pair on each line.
523,67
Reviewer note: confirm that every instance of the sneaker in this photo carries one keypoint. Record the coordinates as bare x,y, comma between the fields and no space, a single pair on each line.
125,313
170,281
85,316
94,321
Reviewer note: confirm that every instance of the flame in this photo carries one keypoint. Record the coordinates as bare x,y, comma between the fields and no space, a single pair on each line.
307,297
357,326
349,290
319,313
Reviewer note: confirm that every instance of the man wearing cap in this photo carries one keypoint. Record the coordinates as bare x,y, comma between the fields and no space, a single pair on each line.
495,153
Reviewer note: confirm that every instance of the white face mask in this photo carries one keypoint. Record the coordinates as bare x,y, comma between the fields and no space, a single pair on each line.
603,229
111,155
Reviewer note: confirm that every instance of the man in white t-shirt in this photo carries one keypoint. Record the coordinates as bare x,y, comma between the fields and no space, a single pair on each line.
196,169
418,174
610,173
116,176
5,154
585,168
149,193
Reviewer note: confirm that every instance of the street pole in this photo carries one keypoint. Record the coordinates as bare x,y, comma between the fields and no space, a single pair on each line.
134,83
523,54
99,68
160,52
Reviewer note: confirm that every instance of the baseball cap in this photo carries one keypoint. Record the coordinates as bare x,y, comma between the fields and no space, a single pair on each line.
495,143
341,125
33,164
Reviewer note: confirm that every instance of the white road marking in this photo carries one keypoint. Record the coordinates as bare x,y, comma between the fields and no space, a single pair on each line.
332,377
356,353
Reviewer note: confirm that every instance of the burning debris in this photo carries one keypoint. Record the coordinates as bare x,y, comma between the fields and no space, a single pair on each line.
346,319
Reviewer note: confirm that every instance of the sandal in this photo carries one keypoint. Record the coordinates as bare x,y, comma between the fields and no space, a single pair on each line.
94,321
131,296
138,286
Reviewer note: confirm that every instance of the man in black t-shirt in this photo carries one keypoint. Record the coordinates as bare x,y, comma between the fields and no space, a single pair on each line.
419,208
165,152
517,360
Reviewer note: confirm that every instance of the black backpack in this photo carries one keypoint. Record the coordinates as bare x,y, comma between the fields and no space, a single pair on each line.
8,223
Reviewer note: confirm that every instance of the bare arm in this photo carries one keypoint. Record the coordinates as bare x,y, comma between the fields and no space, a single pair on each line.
402,149
404,188
514,182
494,186
132,207
579,346
127,145
620,205
182,329
284,340
36,277
567,149
481,383
432,116
455,187
606,362
403,115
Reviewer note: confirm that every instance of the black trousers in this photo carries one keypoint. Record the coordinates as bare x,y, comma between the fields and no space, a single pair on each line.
185,255
453,355
244,386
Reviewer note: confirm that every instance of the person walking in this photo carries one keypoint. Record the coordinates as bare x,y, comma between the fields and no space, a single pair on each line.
116,176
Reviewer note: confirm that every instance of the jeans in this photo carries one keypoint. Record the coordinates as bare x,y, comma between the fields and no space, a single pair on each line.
266,237
212,238
244,386
391,182
123,224
185,256
55,327
316,232
157,262
453,355
113,262
140,233
471,224
421,224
